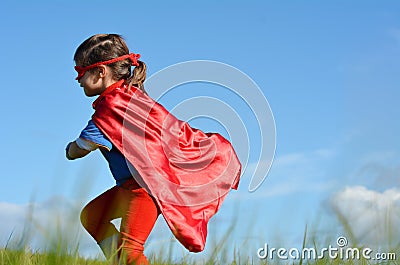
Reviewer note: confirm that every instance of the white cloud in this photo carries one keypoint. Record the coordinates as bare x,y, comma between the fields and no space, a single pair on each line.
372,216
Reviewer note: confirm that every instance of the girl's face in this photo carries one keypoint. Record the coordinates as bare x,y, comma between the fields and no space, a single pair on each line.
94,82
91,83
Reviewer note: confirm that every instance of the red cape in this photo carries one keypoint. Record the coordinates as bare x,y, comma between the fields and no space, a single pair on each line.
187,171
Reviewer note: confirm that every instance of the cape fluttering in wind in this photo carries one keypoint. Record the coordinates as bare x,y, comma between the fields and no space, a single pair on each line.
187,171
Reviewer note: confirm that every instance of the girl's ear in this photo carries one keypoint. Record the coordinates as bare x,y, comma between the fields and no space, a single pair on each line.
102,70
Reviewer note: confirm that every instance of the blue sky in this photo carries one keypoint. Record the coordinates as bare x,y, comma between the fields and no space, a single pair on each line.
330,72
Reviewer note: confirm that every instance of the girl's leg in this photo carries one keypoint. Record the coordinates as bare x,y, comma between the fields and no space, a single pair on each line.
137,224
97,215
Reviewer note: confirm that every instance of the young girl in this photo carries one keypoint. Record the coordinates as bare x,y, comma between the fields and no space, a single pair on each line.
160,164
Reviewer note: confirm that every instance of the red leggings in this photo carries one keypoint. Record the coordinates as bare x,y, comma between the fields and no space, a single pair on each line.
138,211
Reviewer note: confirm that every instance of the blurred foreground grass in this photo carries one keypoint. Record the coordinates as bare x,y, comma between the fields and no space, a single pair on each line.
25,257
63,250
221,255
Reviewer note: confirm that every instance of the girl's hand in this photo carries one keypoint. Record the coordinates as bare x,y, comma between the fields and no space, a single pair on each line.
73,151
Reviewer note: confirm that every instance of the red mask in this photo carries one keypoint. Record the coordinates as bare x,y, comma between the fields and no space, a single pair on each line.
82,70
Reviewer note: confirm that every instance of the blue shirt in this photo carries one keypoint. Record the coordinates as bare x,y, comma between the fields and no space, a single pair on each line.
116,161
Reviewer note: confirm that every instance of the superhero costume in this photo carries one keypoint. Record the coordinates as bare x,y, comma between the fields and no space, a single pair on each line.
187,171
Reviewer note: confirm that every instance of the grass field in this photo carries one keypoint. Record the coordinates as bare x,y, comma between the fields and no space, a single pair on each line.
59,254
62,249
24,257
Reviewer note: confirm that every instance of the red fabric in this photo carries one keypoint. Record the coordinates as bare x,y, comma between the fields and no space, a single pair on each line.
138,212
188,172
82,70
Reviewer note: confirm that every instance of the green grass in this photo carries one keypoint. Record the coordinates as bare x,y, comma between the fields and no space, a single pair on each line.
60,255
26,257
61,251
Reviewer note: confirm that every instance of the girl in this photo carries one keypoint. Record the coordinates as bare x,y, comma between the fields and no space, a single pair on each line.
160,164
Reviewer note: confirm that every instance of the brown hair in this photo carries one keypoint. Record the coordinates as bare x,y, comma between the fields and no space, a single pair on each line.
103,47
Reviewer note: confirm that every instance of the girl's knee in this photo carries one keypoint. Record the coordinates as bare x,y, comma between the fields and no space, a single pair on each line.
83,217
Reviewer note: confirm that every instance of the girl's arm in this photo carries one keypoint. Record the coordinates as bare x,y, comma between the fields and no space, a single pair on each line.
73,151
89,140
